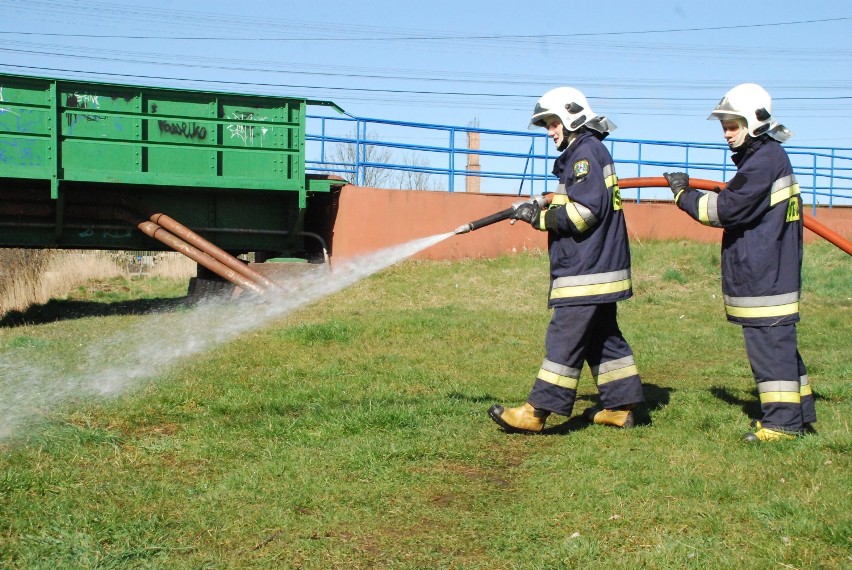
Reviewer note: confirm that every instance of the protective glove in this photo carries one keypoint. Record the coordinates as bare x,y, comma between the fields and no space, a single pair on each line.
538,201
678,182
527,212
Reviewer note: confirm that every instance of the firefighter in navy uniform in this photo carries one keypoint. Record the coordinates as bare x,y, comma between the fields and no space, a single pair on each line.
760,212
589,272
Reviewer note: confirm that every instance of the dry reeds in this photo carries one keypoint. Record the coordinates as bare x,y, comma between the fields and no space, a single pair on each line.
172,265
34,276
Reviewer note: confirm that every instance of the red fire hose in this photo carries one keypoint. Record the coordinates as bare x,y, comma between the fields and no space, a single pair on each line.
710,185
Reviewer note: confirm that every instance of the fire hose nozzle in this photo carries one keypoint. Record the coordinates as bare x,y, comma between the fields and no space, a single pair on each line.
486,221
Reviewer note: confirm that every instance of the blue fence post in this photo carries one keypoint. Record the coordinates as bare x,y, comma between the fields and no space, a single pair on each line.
529,165
815,187
359,171
452,165
639,172
532,167
322,139
831,181
546,163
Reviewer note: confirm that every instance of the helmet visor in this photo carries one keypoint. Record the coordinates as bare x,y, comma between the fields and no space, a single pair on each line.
725,111
541,118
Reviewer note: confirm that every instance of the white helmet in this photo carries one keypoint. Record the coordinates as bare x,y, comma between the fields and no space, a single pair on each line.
750,102
572,108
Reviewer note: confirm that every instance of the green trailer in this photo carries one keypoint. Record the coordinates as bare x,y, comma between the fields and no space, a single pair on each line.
83,165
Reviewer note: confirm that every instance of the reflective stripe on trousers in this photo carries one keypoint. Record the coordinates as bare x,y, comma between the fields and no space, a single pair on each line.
590,285
580,334
768,306
776,364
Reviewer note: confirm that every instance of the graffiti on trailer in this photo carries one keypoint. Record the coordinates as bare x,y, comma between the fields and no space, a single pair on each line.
187,130
246,132
2,109
82,101
16,154
24,122
119,234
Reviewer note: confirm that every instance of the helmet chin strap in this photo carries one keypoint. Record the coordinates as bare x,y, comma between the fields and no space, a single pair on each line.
742,145
742,136
567,138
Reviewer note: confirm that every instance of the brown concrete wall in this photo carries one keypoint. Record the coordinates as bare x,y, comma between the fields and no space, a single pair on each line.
369,219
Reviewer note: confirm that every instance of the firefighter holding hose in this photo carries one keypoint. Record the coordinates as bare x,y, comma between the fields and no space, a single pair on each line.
589,270
760,212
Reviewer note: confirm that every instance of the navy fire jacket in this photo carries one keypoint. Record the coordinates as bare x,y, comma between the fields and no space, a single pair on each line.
760,212
587,236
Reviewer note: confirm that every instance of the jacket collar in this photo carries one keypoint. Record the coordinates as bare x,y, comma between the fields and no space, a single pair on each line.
562,160
749,149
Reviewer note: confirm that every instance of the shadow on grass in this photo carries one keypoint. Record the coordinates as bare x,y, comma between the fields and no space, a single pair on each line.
750,407
656,397
572,424
55,310
474,399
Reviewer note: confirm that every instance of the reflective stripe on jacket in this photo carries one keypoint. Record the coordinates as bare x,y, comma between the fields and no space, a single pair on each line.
589,250
760,212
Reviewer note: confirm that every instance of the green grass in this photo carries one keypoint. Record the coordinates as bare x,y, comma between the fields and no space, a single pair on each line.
353,434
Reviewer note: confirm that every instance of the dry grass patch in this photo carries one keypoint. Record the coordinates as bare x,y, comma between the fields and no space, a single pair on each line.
32,277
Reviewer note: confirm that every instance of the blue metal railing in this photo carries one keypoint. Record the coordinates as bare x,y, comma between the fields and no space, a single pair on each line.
363,150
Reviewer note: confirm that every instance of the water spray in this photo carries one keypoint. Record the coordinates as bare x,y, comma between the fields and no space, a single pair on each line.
32,383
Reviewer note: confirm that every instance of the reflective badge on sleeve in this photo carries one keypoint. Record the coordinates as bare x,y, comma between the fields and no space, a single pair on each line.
581,168
616,198
793,209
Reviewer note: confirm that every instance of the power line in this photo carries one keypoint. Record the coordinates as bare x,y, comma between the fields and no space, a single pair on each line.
266,69
427,37
391,91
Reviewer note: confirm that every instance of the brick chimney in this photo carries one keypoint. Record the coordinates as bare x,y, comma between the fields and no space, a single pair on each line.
472,180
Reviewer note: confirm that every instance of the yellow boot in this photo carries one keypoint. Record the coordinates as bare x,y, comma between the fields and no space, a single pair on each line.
622,417
807,428
766,434
523,419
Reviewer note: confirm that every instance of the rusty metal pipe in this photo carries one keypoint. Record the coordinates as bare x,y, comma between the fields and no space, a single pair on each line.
211,249
818,228
164,236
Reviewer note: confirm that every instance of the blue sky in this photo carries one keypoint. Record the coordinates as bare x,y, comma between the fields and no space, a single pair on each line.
655,68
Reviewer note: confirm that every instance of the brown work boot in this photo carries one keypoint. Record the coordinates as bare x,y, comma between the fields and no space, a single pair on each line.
523,419
618,417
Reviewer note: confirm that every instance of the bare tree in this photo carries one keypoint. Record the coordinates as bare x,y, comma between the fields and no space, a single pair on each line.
409,173
351,154
415,176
